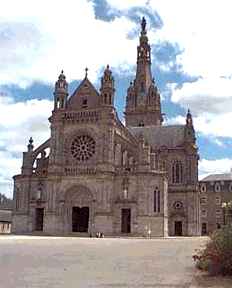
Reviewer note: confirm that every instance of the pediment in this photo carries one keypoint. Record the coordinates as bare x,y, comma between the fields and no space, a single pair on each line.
85,93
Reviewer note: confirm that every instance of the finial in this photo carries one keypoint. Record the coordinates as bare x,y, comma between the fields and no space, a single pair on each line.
107,66
62,76
189,113
143,24
86,72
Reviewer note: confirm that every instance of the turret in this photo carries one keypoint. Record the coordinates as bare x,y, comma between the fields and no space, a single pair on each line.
107,88
189,129
27,167
61,92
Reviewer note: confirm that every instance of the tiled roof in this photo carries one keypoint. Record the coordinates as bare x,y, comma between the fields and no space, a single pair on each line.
157,136
218,177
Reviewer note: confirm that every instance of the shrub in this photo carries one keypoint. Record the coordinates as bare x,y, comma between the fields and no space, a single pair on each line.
216,257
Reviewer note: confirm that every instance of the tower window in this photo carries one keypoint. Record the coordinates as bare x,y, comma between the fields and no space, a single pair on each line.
142,88
105,98
177,172
157,200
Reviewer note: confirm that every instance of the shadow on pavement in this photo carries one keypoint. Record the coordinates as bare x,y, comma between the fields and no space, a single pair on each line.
202,279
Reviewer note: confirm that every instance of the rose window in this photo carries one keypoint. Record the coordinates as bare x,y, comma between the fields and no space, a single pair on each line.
83,147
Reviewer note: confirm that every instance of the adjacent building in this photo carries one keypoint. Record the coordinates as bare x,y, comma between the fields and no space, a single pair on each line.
95,174
215,195
6,206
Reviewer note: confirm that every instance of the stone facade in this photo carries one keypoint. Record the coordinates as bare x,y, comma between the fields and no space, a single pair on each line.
95,174
215,190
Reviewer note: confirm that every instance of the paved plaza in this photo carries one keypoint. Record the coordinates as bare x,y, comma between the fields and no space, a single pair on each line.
90,262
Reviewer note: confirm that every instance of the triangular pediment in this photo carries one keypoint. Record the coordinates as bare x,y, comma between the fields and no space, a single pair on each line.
85,95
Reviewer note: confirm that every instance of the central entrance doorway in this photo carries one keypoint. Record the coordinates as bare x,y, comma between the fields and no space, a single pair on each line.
126,220
39,215
178,228
80,219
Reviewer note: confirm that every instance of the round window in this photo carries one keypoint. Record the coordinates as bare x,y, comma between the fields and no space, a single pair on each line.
83,148
178,205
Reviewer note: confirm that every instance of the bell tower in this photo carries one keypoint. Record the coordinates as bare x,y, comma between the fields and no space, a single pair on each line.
143,99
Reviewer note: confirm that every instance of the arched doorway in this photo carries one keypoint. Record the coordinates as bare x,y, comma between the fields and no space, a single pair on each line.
177,224
80,219
78,210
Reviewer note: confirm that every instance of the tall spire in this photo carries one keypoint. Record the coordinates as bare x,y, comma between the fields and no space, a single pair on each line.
143,99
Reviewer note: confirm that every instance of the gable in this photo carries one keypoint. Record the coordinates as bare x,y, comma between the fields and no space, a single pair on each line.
84,97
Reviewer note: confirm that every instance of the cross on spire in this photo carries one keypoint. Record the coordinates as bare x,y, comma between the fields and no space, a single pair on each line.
86,72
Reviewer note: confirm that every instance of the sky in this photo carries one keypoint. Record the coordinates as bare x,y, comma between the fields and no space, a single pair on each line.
191,64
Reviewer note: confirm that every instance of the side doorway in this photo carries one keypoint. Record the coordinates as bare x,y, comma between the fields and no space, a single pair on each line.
126,220
39,219
178,228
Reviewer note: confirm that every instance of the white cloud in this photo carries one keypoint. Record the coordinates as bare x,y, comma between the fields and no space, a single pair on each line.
123,4
205,95
207,167
208,124
19,121
210,102
44,37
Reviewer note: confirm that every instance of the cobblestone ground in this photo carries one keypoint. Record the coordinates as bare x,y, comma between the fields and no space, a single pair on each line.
89,262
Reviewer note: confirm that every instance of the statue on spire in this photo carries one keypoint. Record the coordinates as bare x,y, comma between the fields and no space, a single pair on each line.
189,120
143,24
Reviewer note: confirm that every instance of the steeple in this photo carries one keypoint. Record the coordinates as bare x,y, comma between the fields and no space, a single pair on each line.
143,98
61,92
107,88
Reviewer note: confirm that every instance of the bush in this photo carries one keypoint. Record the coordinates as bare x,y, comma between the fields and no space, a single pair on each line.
216,257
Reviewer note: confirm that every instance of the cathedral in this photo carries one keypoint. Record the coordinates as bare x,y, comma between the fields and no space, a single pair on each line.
96,174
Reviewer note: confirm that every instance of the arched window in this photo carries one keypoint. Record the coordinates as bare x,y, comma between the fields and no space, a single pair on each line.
177,172
157,200
105,98
17,199
142,87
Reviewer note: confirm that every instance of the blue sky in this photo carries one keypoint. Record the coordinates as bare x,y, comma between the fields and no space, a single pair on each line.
191,64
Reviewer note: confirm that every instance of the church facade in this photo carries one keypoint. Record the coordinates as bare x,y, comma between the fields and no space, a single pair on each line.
95,174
